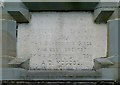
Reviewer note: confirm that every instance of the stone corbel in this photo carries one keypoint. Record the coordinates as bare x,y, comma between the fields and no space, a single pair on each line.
20,62
18,11
104,10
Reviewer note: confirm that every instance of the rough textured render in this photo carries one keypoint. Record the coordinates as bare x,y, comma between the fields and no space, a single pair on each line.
62,40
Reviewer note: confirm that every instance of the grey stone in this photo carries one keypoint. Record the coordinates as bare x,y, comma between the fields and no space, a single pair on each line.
18,11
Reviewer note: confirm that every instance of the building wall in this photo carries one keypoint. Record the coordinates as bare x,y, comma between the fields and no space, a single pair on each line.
62,40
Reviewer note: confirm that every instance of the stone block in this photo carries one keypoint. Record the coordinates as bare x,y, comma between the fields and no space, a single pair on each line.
13,74
113,37
20,62
18,11
4,14
103,11
8,37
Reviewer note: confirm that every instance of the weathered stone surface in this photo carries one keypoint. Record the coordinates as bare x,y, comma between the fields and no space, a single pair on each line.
60,40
